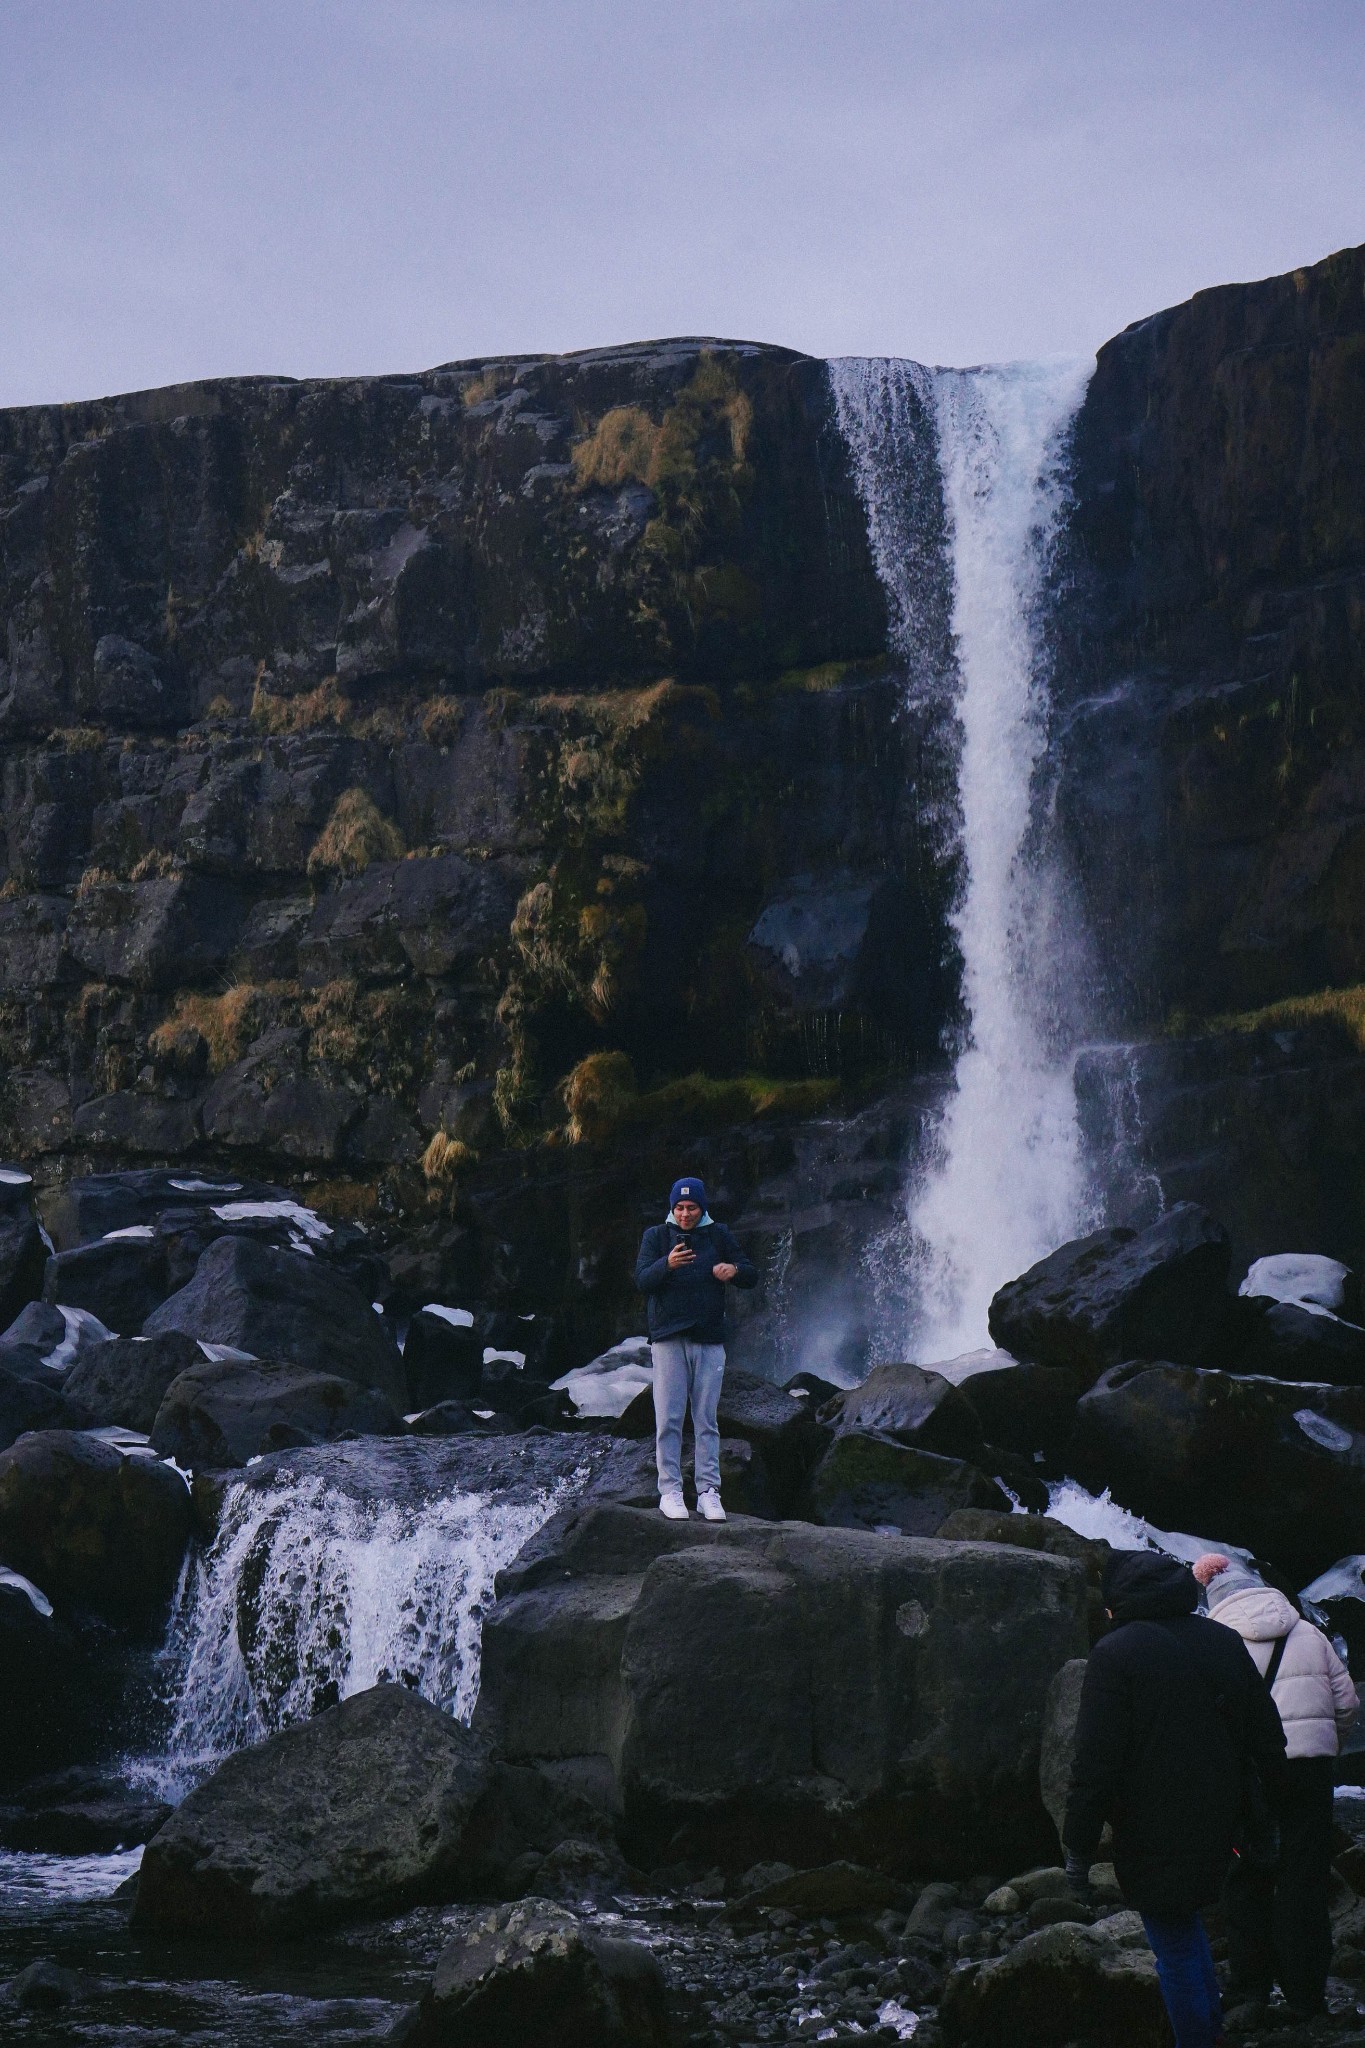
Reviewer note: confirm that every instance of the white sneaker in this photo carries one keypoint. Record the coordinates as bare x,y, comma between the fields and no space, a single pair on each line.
709,1507
674,1506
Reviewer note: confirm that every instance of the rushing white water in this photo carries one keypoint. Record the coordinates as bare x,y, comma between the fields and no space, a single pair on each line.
1004,1181
323,1581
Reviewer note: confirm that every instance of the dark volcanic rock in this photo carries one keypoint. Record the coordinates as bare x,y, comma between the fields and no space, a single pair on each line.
1156,1293
616,1633
536,1975
1063,1985
913,1406
781,1430
222,1412
443,1361
284,1306
873,1482
93,1528
1024,1407
1285,1342
32,1400
79,1812
362,1809
1276,1467
22,1258
120,1280
124,1382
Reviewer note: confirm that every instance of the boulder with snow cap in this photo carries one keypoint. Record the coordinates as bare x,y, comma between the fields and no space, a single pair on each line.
59,1337
222,1412
1286,1340
1307,1280
120,1278
88,1208
93,1528
1120,1294
285,1306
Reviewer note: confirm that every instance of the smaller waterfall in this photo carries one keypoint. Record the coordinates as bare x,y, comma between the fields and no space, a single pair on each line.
337,1568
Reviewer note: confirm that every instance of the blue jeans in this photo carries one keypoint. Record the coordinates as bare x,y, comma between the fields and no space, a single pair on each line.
686,1372
1189,1988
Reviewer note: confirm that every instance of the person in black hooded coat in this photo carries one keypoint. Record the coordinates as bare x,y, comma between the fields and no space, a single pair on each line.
1169,1718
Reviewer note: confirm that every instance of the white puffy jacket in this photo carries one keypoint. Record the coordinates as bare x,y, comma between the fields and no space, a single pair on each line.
1313,1690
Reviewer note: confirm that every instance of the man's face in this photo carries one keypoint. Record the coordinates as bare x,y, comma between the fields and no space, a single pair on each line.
687,1215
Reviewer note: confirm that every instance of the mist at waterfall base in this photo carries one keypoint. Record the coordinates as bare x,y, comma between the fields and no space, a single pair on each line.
1001,1180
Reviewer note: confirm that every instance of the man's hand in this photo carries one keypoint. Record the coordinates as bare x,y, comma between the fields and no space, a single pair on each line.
725,1272
683,1255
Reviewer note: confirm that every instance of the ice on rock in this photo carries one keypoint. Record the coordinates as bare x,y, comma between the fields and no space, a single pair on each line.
458,1318
224,1354
1344,1580
139,1233
37,1599
81,1325
306,1222
969,1362
516,1358
1330,1435
207,1187
607,1384
1303,1279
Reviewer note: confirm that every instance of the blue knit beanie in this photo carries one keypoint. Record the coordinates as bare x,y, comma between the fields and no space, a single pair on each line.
690,1189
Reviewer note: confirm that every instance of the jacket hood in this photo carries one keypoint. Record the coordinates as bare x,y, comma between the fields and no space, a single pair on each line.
1259,1614
1143,1585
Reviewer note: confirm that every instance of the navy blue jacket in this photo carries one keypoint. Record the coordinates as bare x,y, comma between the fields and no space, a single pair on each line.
684,1301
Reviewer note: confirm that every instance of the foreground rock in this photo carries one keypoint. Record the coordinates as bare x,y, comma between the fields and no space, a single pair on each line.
1156,1293
1276,1467
79,1812
1065,1984
93,1528
120,1279
882,1697
536,1975
28,1402
284,1305
362,1808
223,1412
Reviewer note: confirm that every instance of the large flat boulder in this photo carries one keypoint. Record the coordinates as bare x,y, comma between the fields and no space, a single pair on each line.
1117,1294
223,1412
361,1809
284,1305
1061,1986
536,1975
880,1697
1278,1467
93,1528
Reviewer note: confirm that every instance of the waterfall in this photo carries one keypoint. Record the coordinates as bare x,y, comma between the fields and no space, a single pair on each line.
337,1567
1004,1180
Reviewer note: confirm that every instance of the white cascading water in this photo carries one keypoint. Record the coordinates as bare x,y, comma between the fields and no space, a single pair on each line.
324,1581
1005,1180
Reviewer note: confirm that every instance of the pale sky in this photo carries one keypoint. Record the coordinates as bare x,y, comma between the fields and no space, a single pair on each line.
194,188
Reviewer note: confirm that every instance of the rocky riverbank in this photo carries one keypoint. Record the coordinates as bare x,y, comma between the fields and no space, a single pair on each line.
796,1776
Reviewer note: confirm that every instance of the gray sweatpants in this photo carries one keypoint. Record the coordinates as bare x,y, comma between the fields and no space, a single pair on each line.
686,1372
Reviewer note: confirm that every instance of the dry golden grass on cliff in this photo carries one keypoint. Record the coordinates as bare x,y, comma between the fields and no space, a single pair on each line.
356,835
622,448
1341,1006
601,1098
445,1159
226,1024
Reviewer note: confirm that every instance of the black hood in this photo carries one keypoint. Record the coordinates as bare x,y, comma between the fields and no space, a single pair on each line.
1142,1585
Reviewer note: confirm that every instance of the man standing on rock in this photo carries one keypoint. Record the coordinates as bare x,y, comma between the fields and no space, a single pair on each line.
684,1266
1173,1711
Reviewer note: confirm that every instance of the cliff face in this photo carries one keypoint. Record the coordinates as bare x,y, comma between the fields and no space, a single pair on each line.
399,771
1212,738
1216,645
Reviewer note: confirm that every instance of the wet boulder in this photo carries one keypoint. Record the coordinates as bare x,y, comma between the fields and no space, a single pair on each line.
284,1305
872,1482
1118,1294
124,1381
1034,1532
1059,1739
120,1278
23,1256
79,1812
1024,1407
1276,1467
1286,1341
912,1406
1064,1985
883,1696
362,1809
537,1975
224,1411
93,1528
